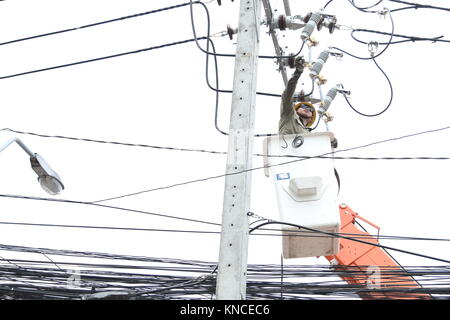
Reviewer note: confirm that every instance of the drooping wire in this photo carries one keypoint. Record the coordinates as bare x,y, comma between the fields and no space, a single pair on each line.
390,99
364,9
216,88
378,54
228,54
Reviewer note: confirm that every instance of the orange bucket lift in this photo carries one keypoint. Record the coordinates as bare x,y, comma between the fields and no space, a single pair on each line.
371,266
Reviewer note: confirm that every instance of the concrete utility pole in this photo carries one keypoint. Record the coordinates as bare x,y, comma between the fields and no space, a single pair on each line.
232,269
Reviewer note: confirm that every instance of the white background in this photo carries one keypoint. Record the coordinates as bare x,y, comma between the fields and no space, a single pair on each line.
161,98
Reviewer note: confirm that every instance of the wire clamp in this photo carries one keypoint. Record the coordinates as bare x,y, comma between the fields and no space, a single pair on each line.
383,13
372,47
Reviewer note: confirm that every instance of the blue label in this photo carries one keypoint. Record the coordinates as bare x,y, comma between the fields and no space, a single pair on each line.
283,176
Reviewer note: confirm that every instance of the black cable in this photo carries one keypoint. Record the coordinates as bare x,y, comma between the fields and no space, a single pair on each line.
317,123
326,5
407,38
98,59
227,54
27,224
108,207
301,233
282,273
216,66
126,144
216,89
94,24
390,99
263,280
372,56
364,9
350,238
420,6
262,167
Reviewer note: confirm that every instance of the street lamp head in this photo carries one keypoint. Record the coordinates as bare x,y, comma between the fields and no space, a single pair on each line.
47,177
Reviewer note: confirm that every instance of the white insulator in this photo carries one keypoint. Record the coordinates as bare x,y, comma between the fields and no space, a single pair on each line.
311,25
318,65
328,99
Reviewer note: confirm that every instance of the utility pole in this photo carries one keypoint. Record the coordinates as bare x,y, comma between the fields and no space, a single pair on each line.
232,268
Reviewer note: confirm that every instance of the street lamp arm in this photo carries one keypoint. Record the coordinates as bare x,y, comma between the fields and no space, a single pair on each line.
19,142
47,177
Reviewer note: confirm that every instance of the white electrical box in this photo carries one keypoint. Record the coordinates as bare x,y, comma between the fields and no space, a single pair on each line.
306,190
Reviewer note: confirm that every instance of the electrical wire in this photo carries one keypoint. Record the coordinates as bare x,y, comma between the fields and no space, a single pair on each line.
390,99
215,55
420,6
364,9
229,91
139,145
108,207
267,166
97,59
227,54
216,88
407,38
125,144
303,234
112,276
95,24
410,5
28,224
327,4
349,238
378,54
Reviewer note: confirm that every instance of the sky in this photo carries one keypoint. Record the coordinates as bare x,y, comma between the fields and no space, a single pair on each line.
161,98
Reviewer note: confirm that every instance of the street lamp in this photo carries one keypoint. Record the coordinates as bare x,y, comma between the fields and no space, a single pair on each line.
47,177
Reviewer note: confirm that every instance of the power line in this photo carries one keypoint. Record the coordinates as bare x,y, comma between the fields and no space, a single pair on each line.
28,224
390,99
169,148
138,274
349,238
98,59
126,144
307,234
227,54
262,167
378,54
95,24
420,6
107,206
406,37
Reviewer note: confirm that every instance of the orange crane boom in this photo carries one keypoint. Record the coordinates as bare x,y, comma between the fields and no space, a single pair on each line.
375,269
